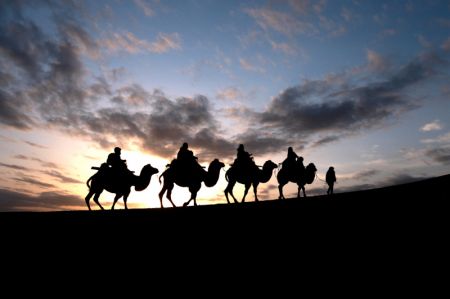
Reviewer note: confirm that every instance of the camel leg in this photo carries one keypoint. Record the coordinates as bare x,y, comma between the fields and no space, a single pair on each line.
255,190
169,194
161,194
88,198
125,198
229,189
247,186
96,196
304,193
280,190
116,198
226,192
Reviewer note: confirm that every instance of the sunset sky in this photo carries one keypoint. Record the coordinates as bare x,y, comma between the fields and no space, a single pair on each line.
363,86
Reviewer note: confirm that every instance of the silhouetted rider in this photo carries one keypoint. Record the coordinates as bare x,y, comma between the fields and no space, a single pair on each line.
115,161
186,158
243,159
289,163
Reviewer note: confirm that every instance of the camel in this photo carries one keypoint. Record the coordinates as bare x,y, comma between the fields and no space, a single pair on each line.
302,177
121,186
193,180
253,177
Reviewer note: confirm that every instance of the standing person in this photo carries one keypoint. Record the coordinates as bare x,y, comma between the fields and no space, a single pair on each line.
330,178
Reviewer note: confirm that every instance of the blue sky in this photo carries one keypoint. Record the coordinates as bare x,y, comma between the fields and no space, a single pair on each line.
360,85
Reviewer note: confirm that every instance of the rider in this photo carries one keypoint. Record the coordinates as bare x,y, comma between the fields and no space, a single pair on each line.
186,158
243,159
289,162
115,161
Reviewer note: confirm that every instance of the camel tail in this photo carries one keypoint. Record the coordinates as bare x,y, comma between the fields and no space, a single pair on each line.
162,175
87,183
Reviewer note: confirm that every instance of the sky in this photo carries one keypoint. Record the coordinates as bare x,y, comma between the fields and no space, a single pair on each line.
363,86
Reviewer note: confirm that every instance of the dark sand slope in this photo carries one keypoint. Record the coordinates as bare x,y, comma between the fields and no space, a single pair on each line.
408,204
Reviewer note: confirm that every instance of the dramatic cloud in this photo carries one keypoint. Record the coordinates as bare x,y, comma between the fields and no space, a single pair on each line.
432,126
440,155
47,201
342,107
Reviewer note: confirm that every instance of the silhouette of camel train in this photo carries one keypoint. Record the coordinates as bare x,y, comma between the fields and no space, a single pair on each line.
185,171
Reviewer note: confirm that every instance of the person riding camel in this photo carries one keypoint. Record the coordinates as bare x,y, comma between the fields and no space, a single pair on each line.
186,159
290,162
116,163
244,159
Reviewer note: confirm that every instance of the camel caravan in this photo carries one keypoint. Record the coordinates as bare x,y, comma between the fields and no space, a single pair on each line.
185,171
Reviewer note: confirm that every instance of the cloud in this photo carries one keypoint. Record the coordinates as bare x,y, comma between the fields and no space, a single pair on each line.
365,174
41,162
36,145
32,181
376,62
145,6
283,47
440,139
333,28
128,42
12,112
423,41
269,19
401,178
14,166
325,140
62,178
246,65
300,6
432,126
446,44
440,155
260,142
133,95
229,93
339,107
47,201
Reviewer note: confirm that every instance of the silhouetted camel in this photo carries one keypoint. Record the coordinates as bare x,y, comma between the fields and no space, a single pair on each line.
193,180
253,177
120,185
301,177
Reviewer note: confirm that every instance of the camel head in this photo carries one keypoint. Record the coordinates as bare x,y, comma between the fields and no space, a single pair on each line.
311,167
270,165
216,164
148,169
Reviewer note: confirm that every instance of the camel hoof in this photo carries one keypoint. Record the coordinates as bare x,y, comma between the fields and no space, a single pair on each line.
185,204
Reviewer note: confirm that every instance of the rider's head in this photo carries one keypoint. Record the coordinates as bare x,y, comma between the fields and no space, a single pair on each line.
331,168
241,147
117,150
290,149
300,159
185,145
